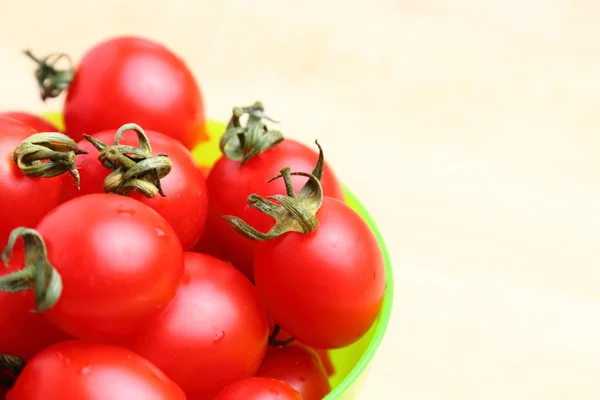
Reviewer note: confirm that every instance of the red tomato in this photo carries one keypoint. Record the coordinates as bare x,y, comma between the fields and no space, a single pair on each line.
230,185
325,288
80,370
258,389
127,79
214,332
23,333
35,122
120,263
23,200
185,206
299,367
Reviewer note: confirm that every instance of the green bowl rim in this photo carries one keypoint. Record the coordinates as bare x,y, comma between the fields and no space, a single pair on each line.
386,309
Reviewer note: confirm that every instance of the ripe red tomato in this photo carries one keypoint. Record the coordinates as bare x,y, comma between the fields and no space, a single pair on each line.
230,185
258,389
186,203
23,333
125,79
35,122
325,288
214,332
23,200
120,263
80,370
299,367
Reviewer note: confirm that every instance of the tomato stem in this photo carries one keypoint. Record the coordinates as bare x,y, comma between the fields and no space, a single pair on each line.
51,81
133,168
241,143
38,274
48,154
10,368
278,343
292,212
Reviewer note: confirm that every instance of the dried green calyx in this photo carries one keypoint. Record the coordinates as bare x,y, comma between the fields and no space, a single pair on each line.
52,81
37,275
292,212
133,168
242,142
48,154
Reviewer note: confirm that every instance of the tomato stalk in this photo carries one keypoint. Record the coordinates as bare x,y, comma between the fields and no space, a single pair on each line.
51,81
241,143
48,154
273,341
38,274
292,212
133,168
10,368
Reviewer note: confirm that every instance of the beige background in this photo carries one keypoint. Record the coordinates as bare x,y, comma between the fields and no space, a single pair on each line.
469,128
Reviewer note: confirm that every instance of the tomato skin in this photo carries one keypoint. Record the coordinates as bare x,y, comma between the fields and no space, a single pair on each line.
186,203
131,79
120,263
214,332
324,288
23,200
258,389
80,370
23,333
35,122
230,186
299,367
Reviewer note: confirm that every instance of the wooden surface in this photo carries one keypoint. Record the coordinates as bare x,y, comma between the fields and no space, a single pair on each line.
469,128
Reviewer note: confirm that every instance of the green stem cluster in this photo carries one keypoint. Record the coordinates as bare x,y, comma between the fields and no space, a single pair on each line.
242,142
52,81
48,154
292,212
132,168
38,275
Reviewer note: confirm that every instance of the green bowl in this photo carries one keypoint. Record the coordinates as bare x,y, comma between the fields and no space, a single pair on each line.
351,363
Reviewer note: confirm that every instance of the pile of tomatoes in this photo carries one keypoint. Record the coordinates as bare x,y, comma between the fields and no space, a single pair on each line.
133,274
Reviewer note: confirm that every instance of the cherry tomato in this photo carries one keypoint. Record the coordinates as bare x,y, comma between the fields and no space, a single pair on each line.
24,332
120,263
186,202
258,389
299,367
35,122
127,79
80,370
325,288
23,200
214,332
230,185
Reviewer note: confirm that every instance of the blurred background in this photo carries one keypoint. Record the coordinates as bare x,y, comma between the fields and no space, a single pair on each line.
469,129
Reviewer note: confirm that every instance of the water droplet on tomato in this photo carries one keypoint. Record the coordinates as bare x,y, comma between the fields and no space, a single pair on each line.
126,211
160,232
86,370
